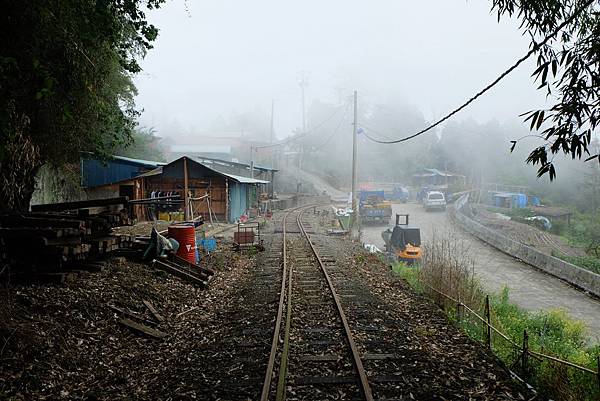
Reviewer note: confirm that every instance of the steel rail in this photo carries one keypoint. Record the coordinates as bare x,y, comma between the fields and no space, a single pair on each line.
280,393
364,381
266,388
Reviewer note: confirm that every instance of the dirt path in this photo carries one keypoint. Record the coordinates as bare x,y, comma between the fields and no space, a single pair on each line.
529,287
322,186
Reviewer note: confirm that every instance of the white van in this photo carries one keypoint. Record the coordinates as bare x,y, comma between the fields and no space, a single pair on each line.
434,200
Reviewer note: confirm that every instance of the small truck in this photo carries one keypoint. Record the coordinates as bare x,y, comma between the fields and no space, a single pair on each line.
373,208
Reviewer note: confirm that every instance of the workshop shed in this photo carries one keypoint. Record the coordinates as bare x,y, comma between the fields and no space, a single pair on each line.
225,196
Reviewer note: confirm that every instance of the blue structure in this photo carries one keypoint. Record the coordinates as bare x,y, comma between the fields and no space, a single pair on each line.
509,200
95,172
398,194
364,195
238,198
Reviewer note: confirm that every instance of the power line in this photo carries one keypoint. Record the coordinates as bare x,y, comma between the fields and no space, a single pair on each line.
335,131
369,137
362,131
534,49
303,134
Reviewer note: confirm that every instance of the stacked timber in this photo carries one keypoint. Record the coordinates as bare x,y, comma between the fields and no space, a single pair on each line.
56,235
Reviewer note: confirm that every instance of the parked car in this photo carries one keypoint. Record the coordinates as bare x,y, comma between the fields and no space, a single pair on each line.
434,200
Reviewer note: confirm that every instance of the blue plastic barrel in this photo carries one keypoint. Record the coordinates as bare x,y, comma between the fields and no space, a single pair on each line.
208,244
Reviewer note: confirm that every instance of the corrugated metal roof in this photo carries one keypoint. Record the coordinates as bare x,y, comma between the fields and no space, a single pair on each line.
244,180
209,160
434,171
150,173
237,178
97,172
145,163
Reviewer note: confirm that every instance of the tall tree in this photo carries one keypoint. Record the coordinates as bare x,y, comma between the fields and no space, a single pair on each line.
144,145
568,67
65,83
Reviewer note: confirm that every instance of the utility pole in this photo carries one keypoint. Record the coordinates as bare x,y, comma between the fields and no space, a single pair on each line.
272,114
303,82
272,148
354,140
186,202
251,161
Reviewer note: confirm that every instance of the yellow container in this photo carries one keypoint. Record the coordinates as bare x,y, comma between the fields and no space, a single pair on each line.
170,216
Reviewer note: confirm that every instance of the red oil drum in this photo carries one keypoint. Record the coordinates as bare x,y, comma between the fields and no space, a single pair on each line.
186,236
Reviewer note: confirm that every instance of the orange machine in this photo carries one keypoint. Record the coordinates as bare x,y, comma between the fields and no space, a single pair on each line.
403,243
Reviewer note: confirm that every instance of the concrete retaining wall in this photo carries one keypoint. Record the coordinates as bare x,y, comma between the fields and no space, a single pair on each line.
575,275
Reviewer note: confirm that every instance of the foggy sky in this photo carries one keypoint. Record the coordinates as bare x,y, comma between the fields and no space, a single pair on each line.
215,58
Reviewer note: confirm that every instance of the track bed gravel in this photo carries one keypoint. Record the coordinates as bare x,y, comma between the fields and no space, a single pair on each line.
409,349
63,342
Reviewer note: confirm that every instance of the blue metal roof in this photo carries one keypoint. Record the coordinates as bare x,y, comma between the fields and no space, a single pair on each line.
139,162
96,172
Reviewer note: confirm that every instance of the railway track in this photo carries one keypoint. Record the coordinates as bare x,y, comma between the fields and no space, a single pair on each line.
318,357
308,325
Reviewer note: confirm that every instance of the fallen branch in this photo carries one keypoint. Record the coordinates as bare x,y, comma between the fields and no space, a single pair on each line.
140,328
130,314
178,272
187,311
153,311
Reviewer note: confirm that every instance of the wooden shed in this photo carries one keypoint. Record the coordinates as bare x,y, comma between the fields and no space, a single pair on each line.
225,195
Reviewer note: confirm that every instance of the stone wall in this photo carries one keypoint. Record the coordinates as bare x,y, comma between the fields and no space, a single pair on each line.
572,274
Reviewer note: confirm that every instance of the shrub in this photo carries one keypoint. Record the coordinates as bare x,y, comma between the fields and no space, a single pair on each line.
447,268
408,273
590,263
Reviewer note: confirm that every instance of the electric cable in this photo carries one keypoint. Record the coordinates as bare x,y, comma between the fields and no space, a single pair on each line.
302,134
534,49
335,131
362,131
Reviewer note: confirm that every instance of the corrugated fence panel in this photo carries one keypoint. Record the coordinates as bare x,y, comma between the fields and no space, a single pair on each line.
237,200
96,173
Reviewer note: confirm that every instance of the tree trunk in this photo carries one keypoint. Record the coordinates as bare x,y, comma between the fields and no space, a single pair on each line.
18,168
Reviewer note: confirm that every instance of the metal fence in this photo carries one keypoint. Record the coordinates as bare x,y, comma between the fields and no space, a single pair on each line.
522,349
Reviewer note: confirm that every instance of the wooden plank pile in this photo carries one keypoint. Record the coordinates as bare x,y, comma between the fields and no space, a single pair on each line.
137,323
185,270
53,236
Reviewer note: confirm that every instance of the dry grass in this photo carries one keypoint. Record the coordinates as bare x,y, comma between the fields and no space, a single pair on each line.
448,267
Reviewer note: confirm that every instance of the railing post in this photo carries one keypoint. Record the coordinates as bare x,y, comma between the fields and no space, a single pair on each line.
488,318
525,351
598,371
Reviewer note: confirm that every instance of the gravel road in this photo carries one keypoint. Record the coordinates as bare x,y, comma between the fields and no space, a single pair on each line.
529,287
